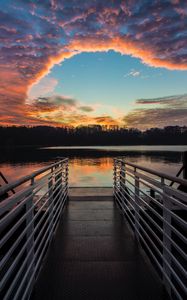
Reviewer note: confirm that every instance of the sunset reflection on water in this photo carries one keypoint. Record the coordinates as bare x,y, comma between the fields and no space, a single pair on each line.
91,172
97,171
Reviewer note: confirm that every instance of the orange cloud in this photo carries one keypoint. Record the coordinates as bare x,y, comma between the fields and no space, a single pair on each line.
126,47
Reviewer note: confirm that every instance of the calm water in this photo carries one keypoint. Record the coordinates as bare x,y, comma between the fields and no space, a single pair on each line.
90,166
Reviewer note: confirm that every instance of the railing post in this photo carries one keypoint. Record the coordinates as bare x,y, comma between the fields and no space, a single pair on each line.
30,233
67,179
121,182
50,199
122,176
56,183
67,173
166,241
65,176
185,165
60,176
136,205
118,176
115,170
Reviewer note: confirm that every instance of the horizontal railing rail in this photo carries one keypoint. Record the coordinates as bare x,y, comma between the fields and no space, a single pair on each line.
157,173
157,214
28,220
6,188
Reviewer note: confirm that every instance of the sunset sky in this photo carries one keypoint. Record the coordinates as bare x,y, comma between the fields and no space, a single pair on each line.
73,62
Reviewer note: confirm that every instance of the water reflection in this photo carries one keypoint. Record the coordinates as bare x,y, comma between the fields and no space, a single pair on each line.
91,172
87,168
15,171
99,171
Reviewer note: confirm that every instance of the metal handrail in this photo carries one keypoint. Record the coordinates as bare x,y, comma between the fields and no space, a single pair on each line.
158,219
153,172
24,179
28,221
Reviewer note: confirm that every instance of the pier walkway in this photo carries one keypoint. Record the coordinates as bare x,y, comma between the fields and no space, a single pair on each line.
125,242
94,255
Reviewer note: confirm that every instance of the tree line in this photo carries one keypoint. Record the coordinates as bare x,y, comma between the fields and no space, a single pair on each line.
87,136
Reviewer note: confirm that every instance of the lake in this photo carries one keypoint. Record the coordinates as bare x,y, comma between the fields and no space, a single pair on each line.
90,166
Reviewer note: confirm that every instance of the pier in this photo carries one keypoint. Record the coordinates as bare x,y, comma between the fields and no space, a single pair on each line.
123,242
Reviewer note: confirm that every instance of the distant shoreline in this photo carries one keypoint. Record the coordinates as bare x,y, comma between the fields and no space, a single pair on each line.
82,146
94,147
42,136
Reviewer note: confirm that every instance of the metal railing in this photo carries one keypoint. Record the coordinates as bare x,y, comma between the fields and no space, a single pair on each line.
157,214
28,220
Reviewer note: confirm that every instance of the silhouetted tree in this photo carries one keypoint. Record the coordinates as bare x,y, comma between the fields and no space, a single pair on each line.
90,135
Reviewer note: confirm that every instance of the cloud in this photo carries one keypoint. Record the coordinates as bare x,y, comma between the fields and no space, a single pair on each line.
57,100
86,108
50,105
171,110
106,120
170,101
66,111
133,73
34,36
60,109
143,119
62,101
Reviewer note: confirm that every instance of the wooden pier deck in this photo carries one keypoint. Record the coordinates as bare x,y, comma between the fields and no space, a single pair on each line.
94,255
